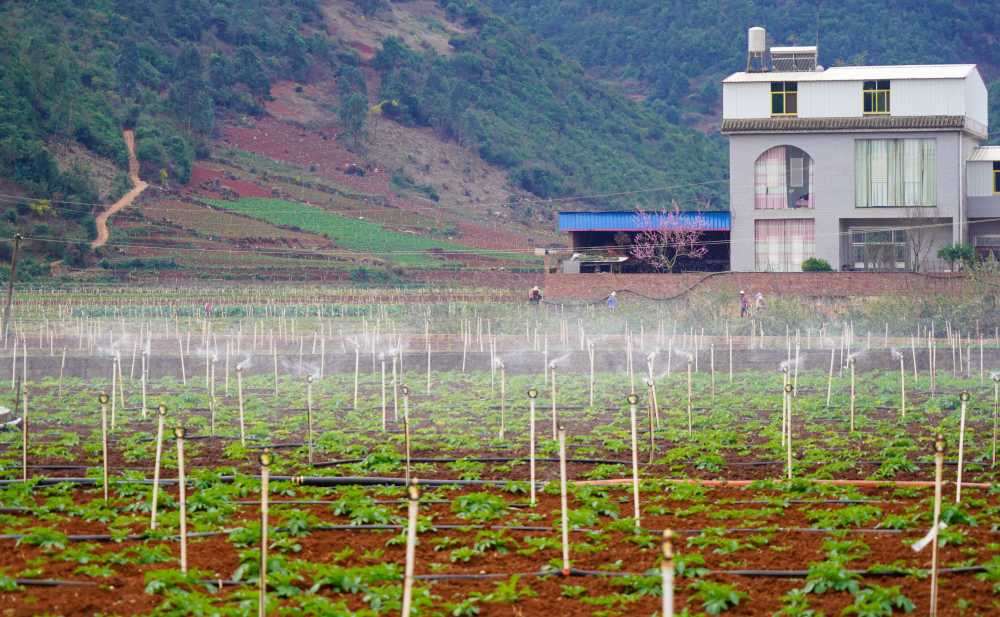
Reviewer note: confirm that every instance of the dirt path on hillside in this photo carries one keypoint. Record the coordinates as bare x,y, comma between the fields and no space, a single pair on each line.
138,186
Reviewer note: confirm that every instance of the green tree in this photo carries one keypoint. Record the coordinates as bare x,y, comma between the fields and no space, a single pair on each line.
353,111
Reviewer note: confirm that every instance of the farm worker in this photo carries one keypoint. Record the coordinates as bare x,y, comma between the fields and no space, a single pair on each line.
744,304
208,310
758,301
535,295
612,301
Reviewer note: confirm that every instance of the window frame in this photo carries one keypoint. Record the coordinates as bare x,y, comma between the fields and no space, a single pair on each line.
785,90
996,177
858,238
871,90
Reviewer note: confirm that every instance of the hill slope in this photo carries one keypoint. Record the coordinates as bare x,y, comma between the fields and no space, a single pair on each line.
676,52
430,119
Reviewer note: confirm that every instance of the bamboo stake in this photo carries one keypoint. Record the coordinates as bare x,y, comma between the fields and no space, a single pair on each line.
938,475
632,400
563,501
413,492
667,574
265,476
239,398
789,390
103,400
532,395
964,397
182,492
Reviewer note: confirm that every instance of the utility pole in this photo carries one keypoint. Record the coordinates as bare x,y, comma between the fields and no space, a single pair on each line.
10,285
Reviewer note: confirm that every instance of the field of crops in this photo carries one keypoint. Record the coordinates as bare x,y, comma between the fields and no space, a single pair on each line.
349,404
352,234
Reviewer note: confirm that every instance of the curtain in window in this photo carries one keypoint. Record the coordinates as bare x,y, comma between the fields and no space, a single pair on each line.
783,244
895,173
812,182
770,186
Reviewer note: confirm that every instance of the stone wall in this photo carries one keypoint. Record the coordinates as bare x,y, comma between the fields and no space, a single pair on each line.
814,284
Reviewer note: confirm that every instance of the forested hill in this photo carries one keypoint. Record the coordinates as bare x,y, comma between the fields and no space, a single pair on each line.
74,74
675,52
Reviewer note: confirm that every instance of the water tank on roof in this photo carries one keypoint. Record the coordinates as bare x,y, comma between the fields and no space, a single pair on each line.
757,40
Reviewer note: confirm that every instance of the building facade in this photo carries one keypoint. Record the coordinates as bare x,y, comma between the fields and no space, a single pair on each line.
871,168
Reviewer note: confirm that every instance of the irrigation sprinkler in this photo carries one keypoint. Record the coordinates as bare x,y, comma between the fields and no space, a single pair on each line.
690,360
395,387
182,493
62,368
406,427
789,390
180,347
532,395
829,378
784,403
309,416
161,413
555,420
211,392
850,363
964,398
103,400
381,358
24,431
667,574
503,397
590,354
265,476
142,379
412,507
274,361
114,389
239,397
632,401
996,414
563,501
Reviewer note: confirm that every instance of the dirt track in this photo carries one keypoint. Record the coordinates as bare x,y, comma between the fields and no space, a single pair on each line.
138,186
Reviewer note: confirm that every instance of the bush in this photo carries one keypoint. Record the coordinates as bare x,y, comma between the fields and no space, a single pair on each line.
815,264
961,253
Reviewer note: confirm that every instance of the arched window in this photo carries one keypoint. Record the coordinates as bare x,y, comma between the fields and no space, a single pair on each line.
783,178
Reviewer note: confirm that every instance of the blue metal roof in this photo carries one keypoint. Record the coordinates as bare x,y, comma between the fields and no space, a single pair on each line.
632,221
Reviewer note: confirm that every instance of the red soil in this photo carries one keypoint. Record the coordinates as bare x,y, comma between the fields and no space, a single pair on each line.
203,174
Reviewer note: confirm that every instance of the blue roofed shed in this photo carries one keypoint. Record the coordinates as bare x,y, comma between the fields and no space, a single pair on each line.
601,240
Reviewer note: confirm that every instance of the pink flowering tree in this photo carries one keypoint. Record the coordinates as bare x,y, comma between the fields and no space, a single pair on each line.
666,237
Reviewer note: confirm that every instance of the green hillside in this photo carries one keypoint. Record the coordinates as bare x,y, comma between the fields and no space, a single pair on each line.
679,51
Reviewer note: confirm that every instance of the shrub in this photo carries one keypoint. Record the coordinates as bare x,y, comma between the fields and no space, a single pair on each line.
815,264
960,253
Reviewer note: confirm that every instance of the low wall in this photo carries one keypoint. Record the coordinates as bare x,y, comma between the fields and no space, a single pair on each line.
816,284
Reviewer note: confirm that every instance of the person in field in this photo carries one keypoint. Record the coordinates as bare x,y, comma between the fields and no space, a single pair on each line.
744,304
612,301
758,302
535,295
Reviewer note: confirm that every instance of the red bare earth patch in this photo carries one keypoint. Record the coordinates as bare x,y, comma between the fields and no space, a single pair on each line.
202,175
319,151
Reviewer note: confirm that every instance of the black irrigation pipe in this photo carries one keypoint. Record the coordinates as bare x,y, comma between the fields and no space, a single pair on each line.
98,537
52,582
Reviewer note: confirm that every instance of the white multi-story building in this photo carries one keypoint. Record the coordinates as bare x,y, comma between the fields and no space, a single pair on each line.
866,167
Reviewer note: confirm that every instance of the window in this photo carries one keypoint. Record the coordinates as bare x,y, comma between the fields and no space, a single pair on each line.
783,178
895,173
784,98
783,244
996,177
876,97
879,250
